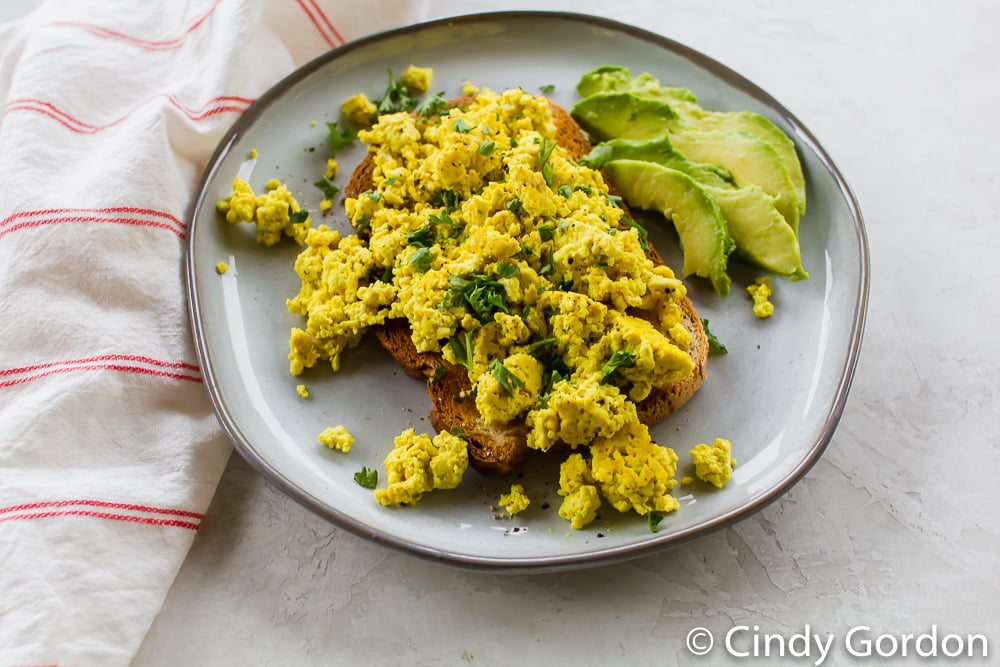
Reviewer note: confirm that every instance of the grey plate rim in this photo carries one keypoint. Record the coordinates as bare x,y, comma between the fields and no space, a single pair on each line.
544,563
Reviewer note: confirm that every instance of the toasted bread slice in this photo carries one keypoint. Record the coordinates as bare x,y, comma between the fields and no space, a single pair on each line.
503,449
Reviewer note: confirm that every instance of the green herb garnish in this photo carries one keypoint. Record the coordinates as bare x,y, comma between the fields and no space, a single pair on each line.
546,231
479,294
460,126
505,270
643,234
366,477
396,98
447,198
329,189
515,206
653,521
461,348
339,139
507,379
565,191
486,148
433,106
421,259
715,346
438,374
297,216
547,88
620,359
423,237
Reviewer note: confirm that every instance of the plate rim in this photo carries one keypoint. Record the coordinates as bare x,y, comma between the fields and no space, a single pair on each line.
547,563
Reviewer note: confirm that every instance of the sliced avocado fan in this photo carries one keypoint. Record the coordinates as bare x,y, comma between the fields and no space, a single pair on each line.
705,240
762,235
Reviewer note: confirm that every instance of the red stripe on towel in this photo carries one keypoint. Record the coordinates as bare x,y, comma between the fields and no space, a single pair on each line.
133,210
329,41
148,44
326,21
122,368
215,106
103,515
103,504
102,357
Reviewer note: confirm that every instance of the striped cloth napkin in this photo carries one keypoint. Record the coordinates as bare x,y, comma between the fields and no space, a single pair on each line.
109,450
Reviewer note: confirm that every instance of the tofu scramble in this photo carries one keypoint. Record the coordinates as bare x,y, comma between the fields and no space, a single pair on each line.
510,259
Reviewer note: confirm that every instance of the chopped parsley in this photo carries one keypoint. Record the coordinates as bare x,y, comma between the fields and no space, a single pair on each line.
329,189
715,346
297,216
339,139
421,259
508,380
546,231
506,270
479,294
643,234
620,359
460,126
565,191
548,171
447,198
653,521
367,477
547,88
486,148
396,98
515,206
438,374
461,347
423,237
434,105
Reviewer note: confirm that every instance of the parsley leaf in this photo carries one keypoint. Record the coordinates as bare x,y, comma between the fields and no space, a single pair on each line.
653,521
422,237
715,346
434,105
565,191
366,477
460,126
329,189
297,216
396,98
515,206
339,139
547,88
421,259
480,295
438,374
447,198
461,347
620,359
505,270
508,380
486,148
643,234
546,232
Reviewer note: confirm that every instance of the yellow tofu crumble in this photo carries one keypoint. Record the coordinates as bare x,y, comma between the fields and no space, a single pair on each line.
336,437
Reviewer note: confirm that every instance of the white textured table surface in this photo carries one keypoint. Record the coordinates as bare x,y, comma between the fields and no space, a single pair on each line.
897,527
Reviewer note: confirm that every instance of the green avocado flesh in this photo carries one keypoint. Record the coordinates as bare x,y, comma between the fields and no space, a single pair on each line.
762,235
705,241
740,162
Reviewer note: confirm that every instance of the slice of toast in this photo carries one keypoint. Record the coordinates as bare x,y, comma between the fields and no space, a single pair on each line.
503,449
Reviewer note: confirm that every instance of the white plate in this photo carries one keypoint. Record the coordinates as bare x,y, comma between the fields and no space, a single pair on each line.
777,395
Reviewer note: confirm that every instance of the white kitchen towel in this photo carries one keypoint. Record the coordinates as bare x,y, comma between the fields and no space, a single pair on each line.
109,450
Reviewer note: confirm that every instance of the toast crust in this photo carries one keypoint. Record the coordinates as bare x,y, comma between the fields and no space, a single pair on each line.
503,449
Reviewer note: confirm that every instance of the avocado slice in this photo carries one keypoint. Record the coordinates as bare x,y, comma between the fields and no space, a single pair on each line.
704,237
762,235
624,115
750,161
765,130
616,79
660,151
